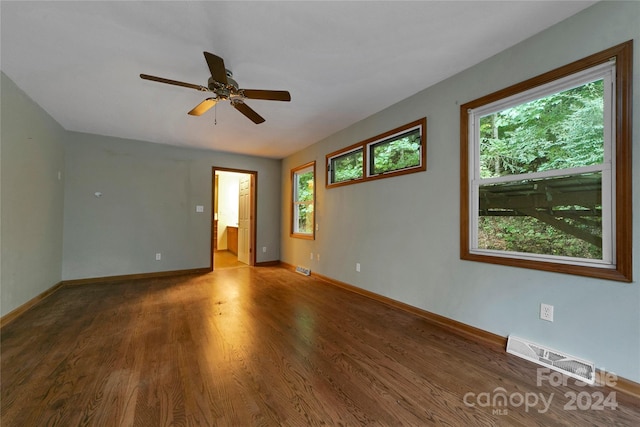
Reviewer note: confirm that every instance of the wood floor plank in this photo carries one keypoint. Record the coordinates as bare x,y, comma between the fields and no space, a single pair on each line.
261,347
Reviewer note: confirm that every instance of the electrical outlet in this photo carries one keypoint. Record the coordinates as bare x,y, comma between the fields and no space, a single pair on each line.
318,257
158,256
264,249
546,312
311,256
358,267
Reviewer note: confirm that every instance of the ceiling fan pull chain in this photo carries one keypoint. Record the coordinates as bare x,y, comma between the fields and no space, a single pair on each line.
215,115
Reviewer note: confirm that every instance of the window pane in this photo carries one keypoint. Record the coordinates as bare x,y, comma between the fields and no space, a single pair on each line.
304,186
347,166
304,218
559,131
397,153
559,216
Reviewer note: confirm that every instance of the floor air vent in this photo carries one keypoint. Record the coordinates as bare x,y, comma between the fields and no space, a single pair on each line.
558,361
303,270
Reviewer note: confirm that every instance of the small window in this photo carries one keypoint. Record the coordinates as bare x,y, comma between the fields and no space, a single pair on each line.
545,174
347,166
303,189
397,152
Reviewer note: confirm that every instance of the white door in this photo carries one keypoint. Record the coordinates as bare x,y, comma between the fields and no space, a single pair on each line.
244,219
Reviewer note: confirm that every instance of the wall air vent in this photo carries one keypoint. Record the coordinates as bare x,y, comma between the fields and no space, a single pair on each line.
553,359
303,270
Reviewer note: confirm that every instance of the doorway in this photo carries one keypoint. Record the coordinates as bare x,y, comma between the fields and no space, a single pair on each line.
233,223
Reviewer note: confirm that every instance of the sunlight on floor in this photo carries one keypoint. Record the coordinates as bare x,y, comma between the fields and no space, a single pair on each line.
226,259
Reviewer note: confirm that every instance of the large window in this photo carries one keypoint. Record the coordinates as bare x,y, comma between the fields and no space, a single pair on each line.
303,183
546,171
397,152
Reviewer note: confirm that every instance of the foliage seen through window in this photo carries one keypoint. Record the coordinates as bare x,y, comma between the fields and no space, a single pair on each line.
396,152
303,200
556,132
347,167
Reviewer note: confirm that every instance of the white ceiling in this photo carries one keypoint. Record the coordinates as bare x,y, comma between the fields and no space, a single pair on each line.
341,61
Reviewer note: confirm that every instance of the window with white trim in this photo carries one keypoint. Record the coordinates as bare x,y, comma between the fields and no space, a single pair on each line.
303,205
541,173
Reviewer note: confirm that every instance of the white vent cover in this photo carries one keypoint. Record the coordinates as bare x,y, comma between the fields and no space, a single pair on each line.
303,270
558,361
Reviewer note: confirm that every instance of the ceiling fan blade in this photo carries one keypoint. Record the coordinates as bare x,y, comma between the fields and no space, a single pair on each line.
203,107
216,66
270,95
174,82
248,111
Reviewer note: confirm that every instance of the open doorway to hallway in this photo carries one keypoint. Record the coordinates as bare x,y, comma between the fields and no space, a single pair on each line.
233,222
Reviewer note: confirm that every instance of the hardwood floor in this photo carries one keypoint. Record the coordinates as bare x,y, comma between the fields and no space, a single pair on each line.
226,259
264,347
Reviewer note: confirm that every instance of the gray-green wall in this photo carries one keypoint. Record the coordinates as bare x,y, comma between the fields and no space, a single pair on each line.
57,229
404,231
148,206
32,153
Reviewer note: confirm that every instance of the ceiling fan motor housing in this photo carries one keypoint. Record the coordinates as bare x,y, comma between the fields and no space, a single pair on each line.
221,90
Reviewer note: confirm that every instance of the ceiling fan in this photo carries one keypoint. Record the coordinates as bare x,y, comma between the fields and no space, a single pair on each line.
224,87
